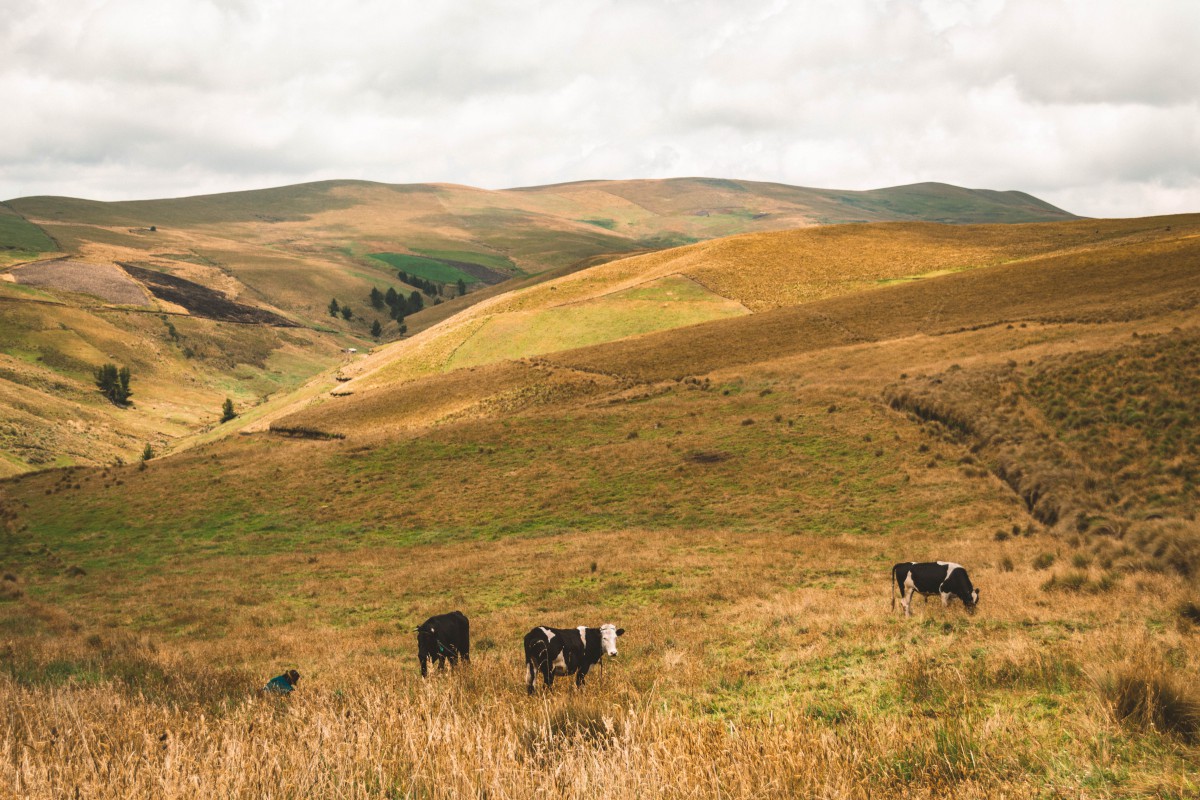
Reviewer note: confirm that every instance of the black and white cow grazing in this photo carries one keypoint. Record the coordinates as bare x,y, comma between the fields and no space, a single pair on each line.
567,651
446,636
929,578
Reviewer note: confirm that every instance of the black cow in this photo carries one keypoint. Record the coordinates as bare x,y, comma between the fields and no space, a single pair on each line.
929,578
444,636
567,651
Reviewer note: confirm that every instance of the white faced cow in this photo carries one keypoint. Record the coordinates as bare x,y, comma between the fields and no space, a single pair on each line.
928,578
567,651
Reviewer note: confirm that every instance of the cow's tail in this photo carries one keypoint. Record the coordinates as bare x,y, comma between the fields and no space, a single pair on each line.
893,574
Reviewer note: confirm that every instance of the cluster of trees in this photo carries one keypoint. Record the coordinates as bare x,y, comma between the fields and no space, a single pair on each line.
113,383
427,286
398,304
430,288
335,309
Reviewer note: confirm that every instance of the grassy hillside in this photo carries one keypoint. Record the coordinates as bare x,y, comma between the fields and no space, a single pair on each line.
21,240
183,369
531,229
755,272
283,255
732,493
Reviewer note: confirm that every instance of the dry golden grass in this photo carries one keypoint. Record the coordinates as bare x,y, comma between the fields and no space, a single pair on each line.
739,523
1050,268
746,677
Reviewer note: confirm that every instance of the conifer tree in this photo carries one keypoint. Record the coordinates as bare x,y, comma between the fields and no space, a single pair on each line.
114,383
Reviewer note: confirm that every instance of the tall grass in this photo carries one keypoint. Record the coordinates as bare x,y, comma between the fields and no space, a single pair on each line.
468,735
1146,693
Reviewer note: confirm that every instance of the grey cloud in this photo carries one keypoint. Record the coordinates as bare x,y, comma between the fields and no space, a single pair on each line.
128,98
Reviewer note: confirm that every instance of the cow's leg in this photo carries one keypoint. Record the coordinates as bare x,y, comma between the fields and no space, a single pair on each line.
906,601
545,667
530,675
424,669
579,676
441,662
945,599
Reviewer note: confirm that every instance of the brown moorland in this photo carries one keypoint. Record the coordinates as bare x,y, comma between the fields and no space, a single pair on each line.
286,253
732,493
760,272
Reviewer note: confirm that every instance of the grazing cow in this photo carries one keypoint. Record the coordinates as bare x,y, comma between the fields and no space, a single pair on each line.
567,651
444,636
929,578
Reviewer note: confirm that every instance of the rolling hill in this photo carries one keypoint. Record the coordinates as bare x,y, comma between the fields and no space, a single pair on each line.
229,296
731,492
729,277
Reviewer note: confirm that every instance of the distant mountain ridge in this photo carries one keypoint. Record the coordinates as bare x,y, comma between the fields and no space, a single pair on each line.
929,201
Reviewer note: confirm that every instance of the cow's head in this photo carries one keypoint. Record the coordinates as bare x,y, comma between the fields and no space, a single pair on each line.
974,600
608,638
426,636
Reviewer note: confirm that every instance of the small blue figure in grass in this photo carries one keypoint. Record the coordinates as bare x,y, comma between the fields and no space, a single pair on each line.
282,684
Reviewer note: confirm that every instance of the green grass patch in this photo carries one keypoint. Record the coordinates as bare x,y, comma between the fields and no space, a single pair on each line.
20,238
664,304
428,268
607,224
492,260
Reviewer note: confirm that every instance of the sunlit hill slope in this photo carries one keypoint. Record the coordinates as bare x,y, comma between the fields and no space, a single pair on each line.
733,492
230,296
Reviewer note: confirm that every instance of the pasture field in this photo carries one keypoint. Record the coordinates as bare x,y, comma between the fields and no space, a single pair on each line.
496,262
21,240
662,304
732,493
429,268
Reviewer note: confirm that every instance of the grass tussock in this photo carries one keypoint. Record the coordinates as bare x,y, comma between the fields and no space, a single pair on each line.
1189,611
1148,694
1079,580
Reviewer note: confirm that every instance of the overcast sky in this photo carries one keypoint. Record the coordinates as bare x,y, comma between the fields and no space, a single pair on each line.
1090,104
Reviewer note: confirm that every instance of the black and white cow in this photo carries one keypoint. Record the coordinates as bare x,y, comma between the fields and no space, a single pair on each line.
567,651
445,636
928,578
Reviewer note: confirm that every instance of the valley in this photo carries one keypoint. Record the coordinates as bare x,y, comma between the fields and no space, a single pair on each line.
722,447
